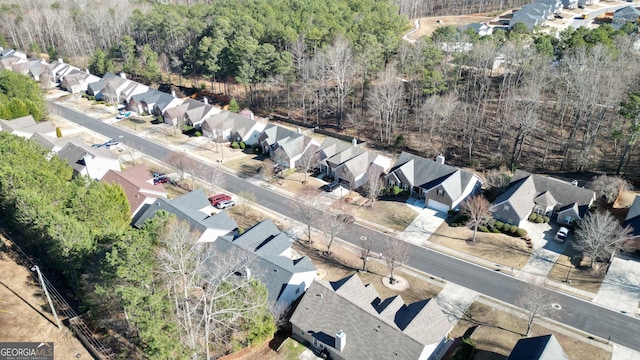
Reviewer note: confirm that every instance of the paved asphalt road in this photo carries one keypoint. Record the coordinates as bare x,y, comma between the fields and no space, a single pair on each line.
583,315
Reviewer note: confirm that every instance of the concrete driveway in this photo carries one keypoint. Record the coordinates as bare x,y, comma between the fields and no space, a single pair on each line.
425,224
546,251
620,289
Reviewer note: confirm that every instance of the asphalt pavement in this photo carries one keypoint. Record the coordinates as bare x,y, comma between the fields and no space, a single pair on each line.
574,312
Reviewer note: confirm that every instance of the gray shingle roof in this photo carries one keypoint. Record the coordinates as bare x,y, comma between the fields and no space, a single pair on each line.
189,208
426,174
265,244
18,123
524,187
375,328
544,347
332,146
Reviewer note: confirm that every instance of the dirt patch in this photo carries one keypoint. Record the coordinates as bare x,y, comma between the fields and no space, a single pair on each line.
25,314
569,269
429,24
498,248
499,331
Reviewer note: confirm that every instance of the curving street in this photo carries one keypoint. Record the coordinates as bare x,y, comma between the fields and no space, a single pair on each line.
586,316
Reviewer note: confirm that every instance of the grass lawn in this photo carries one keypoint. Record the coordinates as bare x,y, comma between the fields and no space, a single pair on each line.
289,350
245,166
501,249
344,262
392,214
580,276
499,331
293,183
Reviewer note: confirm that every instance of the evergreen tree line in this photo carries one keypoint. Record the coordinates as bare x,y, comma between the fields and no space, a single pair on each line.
127,277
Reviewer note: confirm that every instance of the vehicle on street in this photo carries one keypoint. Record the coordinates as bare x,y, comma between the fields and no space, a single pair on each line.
225,204
161,180
562,234
331,186
215,199
112,142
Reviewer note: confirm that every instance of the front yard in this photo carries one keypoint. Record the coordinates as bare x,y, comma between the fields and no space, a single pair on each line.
498,332
570,268
511,252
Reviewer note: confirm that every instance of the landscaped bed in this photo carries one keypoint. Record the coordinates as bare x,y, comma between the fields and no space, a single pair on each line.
511,252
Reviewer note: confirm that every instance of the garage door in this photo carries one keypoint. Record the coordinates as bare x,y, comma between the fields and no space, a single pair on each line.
432,204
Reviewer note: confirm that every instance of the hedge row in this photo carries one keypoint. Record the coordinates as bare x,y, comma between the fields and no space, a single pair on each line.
495,226
538,219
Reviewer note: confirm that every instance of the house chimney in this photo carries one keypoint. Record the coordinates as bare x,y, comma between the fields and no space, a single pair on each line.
123,75
60,61
299,130
247,272
574,183
87,71
354,142
341,340
206,100
440,159
173,93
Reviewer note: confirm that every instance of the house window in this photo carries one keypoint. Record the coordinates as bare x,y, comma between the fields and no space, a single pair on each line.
506,208
297,290
567,220
440,192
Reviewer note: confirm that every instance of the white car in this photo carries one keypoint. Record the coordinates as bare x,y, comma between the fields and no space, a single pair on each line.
225,204
562,234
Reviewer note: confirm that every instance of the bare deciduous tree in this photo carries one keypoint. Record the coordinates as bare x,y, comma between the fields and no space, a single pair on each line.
247,198
534,299
608,187
600,235
307,162
267,170
384,102
365,244
341,68
395,253
374,185
334,224
181,163
213,176
477,209
305,210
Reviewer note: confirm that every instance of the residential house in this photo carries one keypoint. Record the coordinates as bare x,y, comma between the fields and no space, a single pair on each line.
7,53
58,69
137,183
190,112
347,319
153,102
85,161
115,89
271,135
263,250
442,187
588,2
266,255
26,126
51,142
532,15
329,148
632,220
480,28
544,347
570,4
10,58
195,209
233,127
288,152
77,81
354,166
530,193
33,68
626,14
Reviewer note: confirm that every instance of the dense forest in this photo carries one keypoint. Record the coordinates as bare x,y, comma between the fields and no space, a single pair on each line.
543,102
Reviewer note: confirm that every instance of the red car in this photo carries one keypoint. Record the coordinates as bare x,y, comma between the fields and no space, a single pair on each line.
215,199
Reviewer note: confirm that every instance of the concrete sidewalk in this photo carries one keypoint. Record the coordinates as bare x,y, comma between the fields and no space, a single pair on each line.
455,300
425,224
620,289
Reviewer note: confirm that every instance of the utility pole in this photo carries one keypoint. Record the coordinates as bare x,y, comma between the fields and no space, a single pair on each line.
44,288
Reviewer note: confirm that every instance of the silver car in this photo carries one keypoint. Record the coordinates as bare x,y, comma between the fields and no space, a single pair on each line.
562,234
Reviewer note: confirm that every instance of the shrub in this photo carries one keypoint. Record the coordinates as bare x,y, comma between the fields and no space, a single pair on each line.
242,145
498,225
396,190
546,219
197,133
533,217
483,228
234,145
521,232
58,132
496,231
513,229
539,220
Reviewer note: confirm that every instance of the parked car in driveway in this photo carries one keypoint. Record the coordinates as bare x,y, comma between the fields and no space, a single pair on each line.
215,199
161,180
562,234
331,186
225,204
